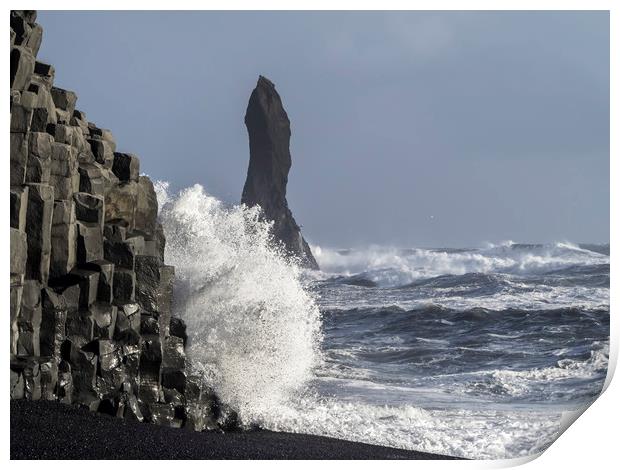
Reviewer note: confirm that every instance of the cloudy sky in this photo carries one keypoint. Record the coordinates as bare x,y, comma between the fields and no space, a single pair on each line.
413,129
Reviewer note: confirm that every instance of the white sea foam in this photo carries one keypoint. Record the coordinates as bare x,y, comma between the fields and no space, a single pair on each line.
537,298
254,331
393,267
476,434
540,382
566,369
472,431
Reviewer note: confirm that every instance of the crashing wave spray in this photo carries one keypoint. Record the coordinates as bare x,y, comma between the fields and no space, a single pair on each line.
254,331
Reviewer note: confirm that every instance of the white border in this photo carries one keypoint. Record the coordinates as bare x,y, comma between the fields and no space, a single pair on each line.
590,443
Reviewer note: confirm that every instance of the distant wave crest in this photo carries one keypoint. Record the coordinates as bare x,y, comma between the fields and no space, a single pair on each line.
387,267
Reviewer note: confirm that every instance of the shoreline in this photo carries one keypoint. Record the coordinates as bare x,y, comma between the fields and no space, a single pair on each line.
47,430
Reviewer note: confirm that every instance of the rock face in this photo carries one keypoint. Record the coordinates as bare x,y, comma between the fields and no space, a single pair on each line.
269,131
91,296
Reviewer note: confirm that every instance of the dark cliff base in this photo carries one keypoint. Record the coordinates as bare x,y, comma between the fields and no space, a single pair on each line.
50,430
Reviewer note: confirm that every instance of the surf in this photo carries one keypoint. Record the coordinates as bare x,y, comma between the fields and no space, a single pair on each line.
254,330
438,350
391,266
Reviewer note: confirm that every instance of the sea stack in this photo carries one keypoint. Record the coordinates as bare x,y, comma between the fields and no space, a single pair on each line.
269,130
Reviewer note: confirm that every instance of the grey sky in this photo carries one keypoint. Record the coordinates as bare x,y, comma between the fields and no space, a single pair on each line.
414,129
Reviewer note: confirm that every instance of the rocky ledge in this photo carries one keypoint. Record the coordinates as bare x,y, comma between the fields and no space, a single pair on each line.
91,295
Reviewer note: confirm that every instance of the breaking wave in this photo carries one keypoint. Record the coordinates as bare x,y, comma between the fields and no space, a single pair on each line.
388,267
254,330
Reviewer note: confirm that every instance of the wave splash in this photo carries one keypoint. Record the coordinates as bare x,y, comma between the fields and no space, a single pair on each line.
254,330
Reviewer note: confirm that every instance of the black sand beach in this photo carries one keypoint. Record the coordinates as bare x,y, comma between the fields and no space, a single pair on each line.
50,430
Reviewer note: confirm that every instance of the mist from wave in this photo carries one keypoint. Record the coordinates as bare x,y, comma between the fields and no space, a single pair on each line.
254,330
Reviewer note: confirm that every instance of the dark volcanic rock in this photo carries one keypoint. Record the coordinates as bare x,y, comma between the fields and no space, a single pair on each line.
64,238
29,320
19,157
124,286
126,166
106,277
19,253
64,100
154,283
19,203
39,158
22,67
90,293
53,323
121,202
38,230
89,208
269,131
178,328
127,327
146,207
89,242
21,118
102,152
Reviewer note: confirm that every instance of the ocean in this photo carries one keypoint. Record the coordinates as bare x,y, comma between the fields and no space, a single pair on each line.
471,352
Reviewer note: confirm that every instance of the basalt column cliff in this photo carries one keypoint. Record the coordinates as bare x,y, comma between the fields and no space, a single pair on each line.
90,293
270,161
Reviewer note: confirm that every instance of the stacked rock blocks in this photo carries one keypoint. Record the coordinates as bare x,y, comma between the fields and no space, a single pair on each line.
90,292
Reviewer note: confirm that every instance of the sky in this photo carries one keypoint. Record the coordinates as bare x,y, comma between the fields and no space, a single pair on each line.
426,129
